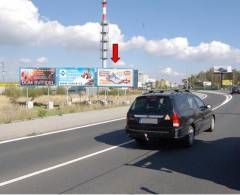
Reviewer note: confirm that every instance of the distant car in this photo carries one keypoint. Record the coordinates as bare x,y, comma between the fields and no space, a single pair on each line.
235,90
173,115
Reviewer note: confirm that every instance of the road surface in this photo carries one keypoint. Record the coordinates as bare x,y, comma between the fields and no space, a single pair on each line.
102,159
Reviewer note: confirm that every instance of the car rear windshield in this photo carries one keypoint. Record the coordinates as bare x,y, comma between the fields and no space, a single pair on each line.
156,105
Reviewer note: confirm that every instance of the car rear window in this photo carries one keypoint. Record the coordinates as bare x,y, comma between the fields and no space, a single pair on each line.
155,105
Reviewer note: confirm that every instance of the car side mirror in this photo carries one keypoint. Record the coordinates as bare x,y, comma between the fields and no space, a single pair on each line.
209,106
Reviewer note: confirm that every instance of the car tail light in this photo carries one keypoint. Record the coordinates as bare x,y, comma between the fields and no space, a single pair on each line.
176,120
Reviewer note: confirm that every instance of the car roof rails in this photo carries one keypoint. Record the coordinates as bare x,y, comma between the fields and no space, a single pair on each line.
154,91
162,91
179,90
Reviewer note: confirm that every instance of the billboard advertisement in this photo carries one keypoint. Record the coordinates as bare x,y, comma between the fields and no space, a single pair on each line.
37,76
115,77
227,82
222,69
207,83
76,76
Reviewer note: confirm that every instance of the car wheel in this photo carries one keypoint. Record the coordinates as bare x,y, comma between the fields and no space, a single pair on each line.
189,139
140,141
212,125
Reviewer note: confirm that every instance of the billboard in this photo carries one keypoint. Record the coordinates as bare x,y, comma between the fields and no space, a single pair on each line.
222,69
115,77
37,76
227,82
76,76
207,83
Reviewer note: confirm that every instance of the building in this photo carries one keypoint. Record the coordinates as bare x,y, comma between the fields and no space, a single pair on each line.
142,79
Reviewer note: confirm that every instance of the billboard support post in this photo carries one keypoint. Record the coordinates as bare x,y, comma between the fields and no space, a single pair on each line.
27,92
67,95
48,91
87,91
105,91
118,96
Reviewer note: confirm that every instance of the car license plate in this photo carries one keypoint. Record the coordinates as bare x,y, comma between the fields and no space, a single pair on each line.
149,121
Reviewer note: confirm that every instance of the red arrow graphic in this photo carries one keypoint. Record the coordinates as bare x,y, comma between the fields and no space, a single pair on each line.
115,56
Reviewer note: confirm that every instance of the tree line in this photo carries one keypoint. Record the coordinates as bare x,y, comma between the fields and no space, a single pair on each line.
196,81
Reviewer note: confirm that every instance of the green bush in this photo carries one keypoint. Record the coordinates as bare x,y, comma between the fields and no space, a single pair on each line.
13,92
32,92
42,112
61,91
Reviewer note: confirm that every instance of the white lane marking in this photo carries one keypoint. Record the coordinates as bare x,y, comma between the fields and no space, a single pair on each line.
228,98
62,164
61,131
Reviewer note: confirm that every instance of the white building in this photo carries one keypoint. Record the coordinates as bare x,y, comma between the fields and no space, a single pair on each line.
142,79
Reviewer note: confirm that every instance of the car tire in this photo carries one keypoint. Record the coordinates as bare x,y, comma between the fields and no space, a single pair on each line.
212,125
140,141
189,139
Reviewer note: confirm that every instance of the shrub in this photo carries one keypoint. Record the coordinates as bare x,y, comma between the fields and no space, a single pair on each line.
42,112
13,92
32,92
61,91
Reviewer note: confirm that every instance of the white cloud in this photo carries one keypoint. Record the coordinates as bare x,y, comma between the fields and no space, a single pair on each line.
170,72
179,48
120,63
22,24
42,61
134,43
123,63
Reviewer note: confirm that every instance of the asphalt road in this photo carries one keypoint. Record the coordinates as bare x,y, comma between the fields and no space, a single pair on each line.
101,166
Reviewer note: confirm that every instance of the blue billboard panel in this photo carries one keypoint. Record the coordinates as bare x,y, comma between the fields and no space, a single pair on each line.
76,76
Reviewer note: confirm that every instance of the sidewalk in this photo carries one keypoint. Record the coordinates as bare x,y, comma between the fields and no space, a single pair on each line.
54,123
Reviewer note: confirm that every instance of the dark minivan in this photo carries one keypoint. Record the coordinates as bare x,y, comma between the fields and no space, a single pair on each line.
171,114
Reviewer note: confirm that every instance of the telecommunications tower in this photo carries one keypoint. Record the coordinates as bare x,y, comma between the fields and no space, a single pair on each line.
104,35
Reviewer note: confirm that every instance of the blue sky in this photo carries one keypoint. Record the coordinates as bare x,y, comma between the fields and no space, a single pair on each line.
202,20
197,21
